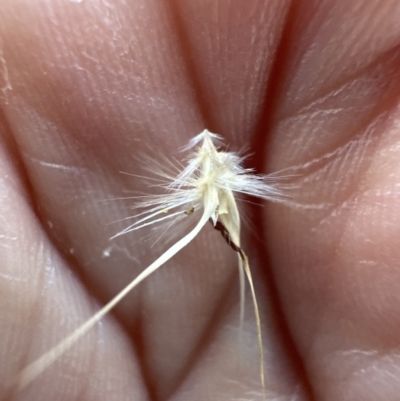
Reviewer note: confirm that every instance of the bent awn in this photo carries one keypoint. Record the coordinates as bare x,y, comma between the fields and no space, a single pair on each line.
208,183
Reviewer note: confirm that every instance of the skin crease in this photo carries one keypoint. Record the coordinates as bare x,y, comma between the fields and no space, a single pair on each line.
90,88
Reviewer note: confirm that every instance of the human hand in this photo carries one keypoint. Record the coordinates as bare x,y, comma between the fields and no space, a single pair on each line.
89,88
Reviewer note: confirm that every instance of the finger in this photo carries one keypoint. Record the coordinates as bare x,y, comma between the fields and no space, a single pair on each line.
98,85
40,301
335,249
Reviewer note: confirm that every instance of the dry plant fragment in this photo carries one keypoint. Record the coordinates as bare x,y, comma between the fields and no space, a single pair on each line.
207,183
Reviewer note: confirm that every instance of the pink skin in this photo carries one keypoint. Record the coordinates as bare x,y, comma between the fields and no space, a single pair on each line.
90,88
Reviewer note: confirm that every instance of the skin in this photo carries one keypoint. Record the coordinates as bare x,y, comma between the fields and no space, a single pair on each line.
91,88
